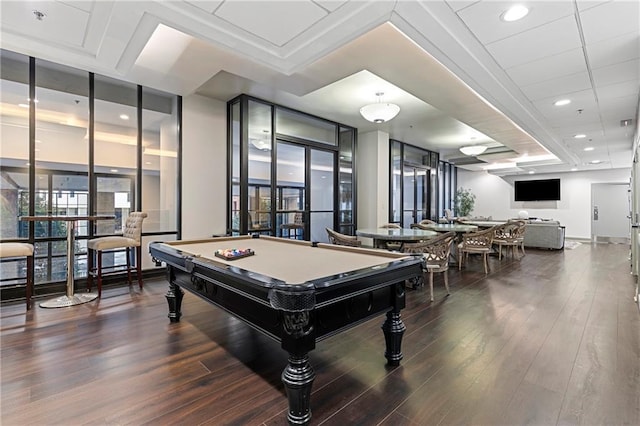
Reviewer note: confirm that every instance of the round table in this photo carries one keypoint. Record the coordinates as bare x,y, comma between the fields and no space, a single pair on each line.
381,236
71,298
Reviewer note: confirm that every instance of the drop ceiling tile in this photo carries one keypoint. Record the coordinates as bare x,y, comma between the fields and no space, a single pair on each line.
617,73
87,6
483,18
207,5
62,23
618,90
613,50
609,20
619,108
330,5
562,86
578,119
456,5
547,68
275,21
537,43
588,4
584,99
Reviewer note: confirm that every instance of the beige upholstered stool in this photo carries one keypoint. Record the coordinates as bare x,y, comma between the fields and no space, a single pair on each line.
8,250
131,238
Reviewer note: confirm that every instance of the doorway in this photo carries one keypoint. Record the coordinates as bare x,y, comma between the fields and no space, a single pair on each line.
610,213
304,191
415,204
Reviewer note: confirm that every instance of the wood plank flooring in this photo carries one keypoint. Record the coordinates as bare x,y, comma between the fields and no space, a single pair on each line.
551,339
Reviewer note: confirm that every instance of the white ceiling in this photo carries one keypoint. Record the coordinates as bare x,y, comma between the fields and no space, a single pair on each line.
459,73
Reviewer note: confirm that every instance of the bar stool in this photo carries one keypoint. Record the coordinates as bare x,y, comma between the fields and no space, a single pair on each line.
8,250
131,238
298,224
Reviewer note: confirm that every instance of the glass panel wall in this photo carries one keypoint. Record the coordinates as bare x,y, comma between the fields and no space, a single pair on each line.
259,167
81,163
14,146
346,201
265,175
160,160
448,180
115,151
415,184
234,166
395,186
61,154
302,126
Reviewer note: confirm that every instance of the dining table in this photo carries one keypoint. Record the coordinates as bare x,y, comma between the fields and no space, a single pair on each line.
383,236
70,298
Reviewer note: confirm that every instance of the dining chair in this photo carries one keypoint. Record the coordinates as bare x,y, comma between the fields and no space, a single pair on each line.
436,252
18,250
510,234
342,239
476,242
130,239
423,224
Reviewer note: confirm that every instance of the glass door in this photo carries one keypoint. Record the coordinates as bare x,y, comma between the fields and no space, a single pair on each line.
321,187
290,190
415,195
305,191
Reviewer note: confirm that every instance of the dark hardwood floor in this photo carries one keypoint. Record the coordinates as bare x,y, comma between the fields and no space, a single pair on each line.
551,339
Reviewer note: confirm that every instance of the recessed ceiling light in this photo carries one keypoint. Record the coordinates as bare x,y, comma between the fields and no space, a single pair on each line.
531,172
595,162
114,170
124,116
562,102
574,169
589,148
580,136
514,13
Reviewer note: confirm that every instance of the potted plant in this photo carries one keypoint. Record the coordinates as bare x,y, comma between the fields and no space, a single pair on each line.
464,201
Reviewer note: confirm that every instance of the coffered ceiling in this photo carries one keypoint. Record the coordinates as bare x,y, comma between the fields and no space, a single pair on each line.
459,73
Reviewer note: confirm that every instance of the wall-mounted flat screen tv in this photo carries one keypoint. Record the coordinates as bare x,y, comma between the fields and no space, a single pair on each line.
537,190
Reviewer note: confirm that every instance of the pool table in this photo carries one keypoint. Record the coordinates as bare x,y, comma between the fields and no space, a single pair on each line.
295,292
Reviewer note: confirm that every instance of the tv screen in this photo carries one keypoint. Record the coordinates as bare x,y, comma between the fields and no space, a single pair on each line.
537,190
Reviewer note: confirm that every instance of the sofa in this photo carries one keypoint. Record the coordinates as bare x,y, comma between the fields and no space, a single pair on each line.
547,234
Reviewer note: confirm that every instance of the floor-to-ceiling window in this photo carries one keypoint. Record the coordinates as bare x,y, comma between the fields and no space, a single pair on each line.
291,174
75,143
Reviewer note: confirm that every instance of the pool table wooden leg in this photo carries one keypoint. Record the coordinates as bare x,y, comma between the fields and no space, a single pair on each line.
298,377
393,329
174,299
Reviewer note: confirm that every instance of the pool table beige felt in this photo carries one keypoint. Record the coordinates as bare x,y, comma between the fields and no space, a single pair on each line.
291,261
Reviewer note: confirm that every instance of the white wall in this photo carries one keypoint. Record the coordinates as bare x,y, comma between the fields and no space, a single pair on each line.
494,197
372,156
204,171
